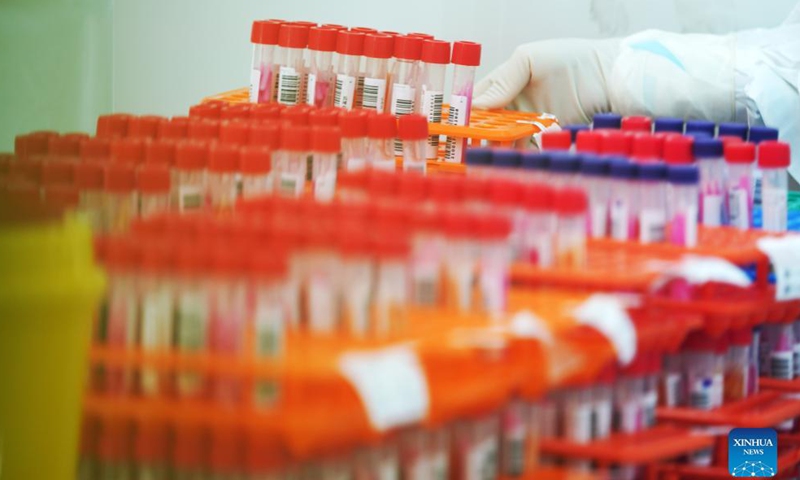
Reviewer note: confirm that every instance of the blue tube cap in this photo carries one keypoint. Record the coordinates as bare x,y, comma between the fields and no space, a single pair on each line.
535,161
505,158
702,126
652,171
705,148
668,124
606,121
564,162
479,157
623,169
594,165
732,130
574,129
760,134
683,174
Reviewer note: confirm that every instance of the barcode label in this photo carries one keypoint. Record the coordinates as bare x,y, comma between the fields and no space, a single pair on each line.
402,104
425,290
374,94
344,92
712,210
255,84
288,86
359,95
459,115
700,396
190,197
291,183
738,208
311,88
780,365
432,109
796,359
578,423
652,225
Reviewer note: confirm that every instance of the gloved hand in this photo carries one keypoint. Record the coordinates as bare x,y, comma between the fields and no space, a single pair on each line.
563,77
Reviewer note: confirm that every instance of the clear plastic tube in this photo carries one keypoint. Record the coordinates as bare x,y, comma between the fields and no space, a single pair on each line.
123,311
323,175
460,109
380,153
414,156
737,371
255,185
156,327
431,97
90,204
623,212
269,319
151,204
683,208
403,93
356,285
672,382
222,189
192,318
374,97
712,193
321,273
740,195
291,71
320,79
538,237
119,209
261,73
599,190
391,294
571,241
426,261
227,327
347,72
514,430
652,211
774,188
190,190
495,262
290,172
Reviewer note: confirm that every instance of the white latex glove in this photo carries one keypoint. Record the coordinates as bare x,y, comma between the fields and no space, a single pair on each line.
564,77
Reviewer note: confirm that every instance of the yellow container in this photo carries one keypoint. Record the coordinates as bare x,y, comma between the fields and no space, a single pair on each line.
49,291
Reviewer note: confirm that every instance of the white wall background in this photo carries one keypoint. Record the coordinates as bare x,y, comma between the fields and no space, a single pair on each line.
168,54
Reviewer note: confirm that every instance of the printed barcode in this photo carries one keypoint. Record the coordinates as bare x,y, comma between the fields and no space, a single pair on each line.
796,360
514,461
435,108
450,149
359,100
370,98
289,89
403,106
700,400
191,201
337,93
398,147
781,366
426,292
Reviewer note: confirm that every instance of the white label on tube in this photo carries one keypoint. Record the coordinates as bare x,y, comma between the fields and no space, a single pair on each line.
269,329
190,197
454,150
599,219
255,84
601,418
773,208
311,88
780,365
619,219
374,94
402,99
344,95
738,208
652,224
288,86
578,422
432,109
712,210
156,331
291,183
784,253
391,383
356,164
691,226
629,416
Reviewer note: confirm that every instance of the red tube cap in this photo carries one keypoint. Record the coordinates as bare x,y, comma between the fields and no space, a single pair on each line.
588,141
423,36
113,125
467,54
265,32
89,176
153,179
435,51
505,192
571,201
266,111
538,197
412,127
382,125
203,129
32,144
296,114
678,149
353,124
294,138
235,111
292,35
255,160
127,150
160,152
378,45
614,142
223,158
58,173
66,145
119,178
61,197
560,140
408,48
774,154
637,124
322,39
93,148
324,117
326,139
265,135
350,42
144,127
191,155
234,132
740,152
647,147
175,128
493,227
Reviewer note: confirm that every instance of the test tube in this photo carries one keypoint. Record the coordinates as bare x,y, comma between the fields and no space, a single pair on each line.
535,165
506,197
264,37
682,204
571,205
120,203
652,202
112,125
188,452
678,149
495,261
672,391
350,47
289,162
156,327
405,78
737,367
773,160
189,188
574,129
255,164
603,404
268,270
89,181
606,121
66,146
426,257
234,132
595,179
94,148
459,260
588,141
154,186
123,309
290,65
223,164
647,148
515,430
412,130
175,128
738,130
433,67
357,279
564,168
708,152
466,59
114,446
556,140
326,143
538,226
701,127
266,134
354,140
614,142
321,45
203,129
668,124
637,123
381,130
623,215
127,150
377,52
391,288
